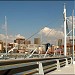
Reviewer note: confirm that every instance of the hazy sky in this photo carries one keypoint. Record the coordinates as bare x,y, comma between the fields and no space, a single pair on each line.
27,17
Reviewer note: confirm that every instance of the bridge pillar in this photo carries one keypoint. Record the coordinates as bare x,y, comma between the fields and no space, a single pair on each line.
41,72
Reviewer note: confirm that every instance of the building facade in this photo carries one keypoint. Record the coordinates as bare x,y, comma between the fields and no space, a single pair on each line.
1,46
36,40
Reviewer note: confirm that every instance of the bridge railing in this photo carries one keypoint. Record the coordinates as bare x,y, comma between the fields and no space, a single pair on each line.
25,55
33,65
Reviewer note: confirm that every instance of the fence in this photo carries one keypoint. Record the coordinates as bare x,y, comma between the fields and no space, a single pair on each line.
33,65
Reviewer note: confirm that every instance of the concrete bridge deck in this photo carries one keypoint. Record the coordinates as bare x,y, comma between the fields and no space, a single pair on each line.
69,70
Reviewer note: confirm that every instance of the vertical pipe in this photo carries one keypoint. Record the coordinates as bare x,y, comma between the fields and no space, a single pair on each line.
64,30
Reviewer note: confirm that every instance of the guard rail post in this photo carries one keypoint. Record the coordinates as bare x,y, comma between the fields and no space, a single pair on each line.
41,72
71,60
58,64
66,61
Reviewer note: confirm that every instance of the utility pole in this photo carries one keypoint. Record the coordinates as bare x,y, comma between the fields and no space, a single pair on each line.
64,30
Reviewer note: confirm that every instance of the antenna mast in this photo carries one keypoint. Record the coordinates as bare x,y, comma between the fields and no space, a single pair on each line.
64,30
6,32
73,34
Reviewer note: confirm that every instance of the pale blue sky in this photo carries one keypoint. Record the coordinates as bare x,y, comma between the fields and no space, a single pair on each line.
27,17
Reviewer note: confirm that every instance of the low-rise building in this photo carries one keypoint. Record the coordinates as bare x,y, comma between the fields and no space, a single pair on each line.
1,46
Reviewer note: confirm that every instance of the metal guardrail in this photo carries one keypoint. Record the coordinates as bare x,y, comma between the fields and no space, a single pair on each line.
33,65
25,56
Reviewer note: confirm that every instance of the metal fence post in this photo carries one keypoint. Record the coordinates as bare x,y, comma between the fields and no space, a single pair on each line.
58,64
41,72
